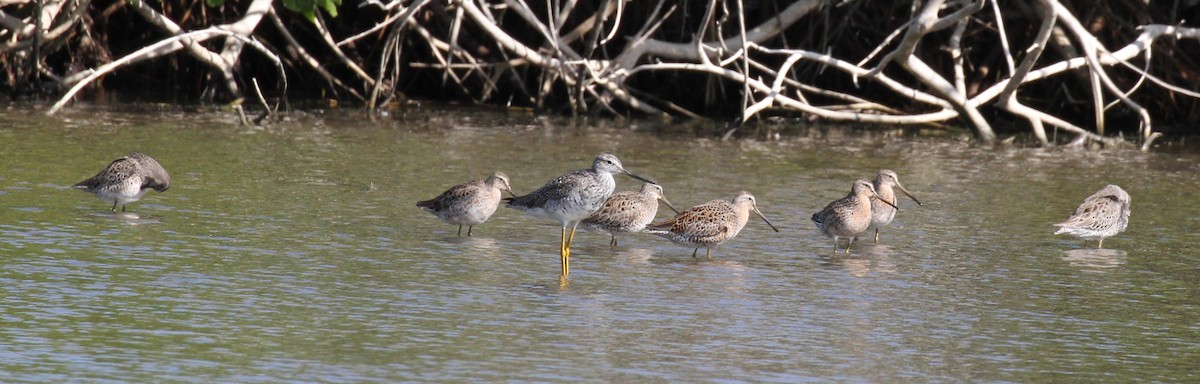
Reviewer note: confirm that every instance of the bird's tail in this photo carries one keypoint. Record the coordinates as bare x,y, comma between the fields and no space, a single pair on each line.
519,202
86,184
428,205
1062,228
660,228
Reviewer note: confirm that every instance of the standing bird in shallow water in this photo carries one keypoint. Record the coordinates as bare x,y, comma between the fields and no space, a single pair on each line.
1103,214
627,212
710,224
126,180
573,197
849,216
470,203
883,208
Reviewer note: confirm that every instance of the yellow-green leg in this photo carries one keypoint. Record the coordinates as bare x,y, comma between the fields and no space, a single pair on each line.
562,252
571,238
876,235
565,251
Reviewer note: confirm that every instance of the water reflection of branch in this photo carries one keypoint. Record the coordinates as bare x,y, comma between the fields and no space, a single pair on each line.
1095,260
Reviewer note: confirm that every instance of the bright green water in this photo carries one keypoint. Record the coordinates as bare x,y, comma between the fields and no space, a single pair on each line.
294,253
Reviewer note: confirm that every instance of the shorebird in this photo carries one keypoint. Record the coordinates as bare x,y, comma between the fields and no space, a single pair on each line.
573,197
710,224
849,216
1103,214
627,212
126,180
470,203
882,213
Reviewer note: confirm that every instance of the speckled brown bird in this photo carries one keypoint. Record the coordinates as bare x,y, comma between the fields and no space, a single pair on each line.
471,203
849,216
710,224
1102,215
627,212
126,180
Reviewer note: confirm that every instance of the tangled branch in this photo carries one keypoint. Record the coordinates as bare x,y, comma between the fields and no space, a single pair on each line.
944,61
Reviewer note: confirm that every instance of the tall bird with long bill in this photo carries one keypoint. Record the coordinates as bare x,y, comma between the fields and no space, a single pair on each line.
572,197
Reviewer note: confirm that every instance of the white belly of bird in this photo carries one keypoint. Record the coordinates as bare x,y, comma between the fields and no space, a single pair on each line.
123,193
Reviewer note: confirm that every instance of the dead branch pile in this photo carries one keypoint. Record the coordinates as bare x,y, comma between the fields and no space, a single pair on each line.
1076,67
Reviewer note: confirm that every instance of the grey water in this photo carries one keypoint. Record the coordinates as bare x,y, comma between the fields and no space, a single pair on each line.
294,253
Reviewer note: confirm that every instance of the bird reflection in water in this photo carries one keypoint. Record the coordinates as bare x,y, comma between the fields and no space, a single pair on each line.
1095,260
479,246
871,260
128,218
635,255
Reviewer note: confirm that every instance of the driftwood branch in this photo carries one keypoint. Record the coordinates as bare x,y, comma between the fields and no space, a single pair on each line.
165,46
768,77
236,33
739,60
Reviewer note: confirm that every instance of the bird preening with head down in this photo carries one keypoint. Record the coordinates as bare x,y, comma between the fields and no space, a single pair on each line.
126,180
1102,215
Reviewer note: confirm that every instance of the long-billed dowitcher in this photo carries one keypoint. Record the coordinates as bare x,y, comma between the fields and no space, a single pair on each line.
1103,214
470,203
627,212
126,180
573,197
849,216
710,224
882,213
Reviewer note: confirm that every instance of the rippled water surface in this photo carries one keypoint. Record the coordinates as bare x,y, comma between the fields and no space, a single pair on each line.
294,253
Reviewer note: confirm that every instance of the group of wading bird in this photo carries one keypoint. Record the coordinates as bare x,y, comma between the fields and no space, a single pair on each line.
585,197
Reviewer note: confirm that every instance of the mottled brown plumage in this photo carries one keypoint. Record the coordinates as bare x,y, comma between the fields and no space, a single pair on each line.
126,180
627,212
1103,214
710,224
849,216
471,203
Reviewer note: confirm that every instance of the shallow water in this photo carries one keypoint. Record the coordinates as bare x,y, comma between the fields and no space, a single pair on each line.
294,253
